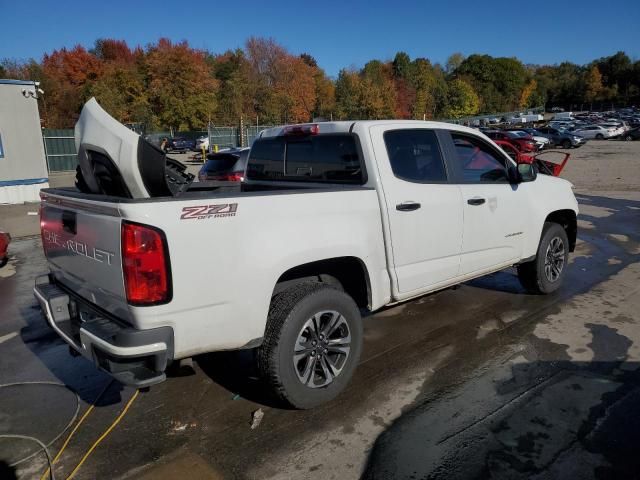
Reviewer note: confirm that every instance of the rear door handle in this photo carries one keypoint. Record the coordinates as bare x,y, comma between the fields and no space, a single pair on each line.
476,201
407,206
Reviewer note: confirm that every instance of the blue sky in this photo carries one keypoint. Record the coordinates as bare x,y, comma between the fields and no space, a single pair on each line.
338,34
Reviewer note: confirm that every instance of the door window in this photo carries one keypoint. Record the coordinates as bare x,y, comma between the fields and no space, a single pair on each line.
478,161
415,155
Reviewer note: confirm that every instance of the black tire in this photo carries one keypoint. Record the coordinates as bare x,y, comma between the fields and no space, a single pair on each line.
534,275
80,183
289,312
628,138
566,144
599,136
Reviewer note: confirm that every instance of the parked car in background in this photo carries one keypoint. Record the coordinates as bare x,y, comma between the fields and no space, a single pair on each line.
524,144
541,142
615,128
5,240
180,144
594,131
562,124
633,134
226,166
202,142
557,109
558,138
546,162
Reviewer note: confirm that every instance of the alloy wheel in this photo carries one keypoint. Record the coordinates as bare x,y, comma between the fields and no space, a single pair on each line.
554,259
322,349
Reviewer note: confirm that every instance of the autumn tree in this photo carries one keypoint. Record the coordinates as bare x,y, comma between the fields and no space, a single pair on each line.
121,89
377,94
528,94
325,89
182,90
68,75
592,85
295,88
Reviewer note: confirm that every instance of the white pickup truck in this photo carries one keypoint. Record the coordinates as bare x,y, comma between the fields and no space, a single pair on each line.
148,267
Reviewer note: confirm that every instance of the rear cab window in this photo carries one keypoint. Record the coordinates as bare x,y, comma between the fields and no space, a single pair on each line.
328,158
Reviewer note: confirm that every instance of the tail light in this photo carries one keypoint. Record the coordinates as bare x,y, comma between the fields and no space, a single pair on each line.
234,177
145,264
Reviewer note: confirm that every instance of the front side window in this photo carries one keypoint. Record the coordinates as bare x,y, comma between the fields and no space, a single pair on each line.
415,155
478,161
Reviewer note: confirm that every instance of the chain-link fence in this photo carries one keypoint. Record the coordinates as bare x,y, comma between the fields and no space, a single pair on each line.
233,137
60,149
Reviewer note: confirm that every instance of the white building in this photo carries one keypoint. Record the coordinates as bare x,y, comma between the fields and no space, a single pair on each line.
23,166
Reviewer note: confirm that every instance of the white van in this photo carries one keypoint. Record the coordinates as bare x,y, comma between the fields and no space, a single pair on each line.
564,116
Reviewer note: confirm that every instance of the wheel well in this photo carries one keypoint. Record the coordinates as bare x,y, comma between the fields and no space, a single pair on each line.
347,273
566,218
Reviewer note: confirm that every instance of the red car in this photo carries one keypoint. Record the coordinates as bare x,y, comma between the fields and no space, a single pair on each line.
5,239
522,143
550,162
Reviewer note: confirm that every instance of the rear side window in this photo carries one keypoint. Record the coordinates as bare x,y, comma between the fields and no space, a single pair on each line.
315,158
415,155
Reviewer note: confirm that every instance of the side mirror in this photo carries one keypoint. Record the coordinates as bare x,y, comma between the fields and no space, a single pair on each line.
527,172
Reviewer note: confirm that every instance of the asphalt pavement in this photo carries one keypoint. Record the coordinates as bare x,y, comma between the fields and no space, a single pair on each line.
481,381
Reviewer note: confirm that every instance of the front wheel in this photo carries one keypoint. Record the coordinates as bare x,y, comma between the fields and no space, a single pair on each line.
628,138
566,144
546,272
312,344
599,137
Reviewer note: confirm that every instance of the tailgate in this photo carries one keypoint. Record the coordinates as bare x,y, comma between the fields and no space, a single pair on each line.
81,240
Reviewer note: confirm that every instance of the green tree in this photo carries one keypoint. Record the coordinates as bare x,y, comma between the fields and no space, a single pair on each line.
348,93
121,92
453,62
462,100
498,81
402,65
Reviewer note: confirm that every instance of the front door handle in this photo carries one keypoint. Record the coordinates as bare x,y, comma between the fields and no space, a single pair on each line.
476,201
407,206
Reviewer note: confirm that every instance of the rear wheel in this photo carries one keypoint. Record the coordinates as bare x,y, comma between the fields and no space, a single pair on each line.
546,272
312,344
628,138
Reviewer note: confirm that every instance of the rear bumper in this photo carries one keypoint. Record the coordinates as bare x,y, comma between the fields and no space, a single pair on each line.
133,357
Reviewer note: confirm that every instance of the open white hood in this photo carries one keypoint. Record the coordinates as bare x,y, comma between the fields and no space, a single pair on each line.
116,161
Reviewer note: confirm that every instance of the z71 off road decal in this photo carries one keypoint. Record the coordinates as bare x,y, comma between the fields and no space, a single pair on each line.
202,212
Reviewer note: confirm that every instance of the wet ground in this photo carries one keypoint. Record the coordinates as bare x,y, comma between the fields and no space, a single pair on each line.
482,381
